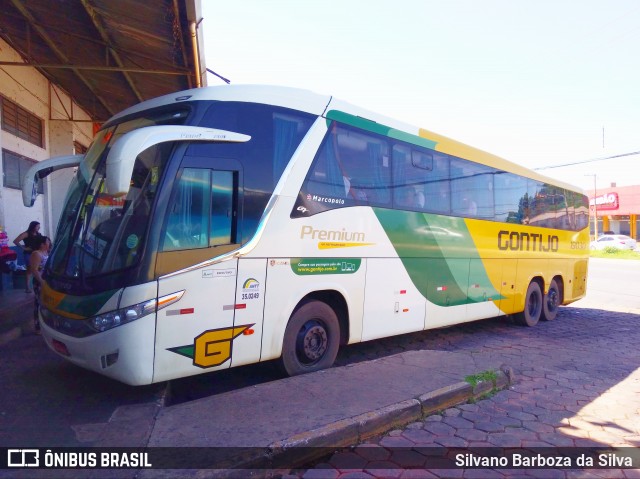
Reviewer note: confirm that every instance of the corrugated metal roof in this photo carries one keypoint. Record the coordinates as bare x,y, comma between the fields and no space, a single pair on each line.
107,54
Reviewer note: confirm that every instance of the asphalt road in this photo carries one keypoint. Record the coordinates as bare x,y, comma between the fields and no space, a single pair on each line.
47,401
612,285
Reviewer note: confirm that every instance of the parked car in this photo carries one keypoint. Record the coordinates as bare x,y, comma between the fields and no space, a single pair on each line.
614,241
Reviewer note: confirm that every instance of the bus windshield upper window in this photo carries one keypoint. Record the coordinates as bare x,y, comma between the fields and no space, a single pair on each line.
275,135
100,233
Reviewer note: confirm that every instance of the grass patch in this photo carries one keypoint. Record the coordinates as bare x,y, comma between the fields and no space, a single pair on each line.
490,377
615,253
485,376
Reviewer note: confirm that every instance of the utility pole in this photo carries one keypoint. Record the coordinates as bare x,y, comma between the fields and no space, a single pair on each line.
595,206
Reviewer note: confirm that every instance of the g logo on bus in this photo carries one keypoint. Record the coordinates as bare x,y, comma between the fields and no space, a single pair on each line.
213,347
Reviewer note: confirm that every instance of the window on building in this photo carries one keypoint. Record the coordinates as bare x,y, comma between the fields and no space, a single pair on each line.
21,123
14,167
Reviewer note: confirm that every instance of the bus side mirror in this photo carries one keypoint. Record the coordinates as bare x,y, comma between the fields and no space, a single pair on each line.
41,170
122,155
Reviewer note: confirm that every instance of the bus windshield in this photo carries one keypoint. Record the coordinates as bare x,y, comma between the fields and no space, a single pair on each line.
99,233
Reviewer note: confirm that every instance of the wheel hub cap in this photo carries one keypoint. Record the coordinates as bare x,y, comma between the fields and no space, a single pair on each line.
314,342
552,302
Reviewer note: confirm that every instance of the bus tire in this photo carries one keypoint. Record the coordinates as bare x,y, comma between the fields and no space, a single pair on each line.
532,305
551,302
311,339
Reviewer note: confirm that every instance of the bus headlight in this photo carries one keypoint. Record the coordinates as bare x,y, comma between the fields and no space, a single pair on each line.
111,319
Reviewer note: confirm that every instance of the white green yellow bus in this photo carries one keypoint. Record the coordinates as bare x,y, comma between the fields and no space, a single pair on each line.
224,226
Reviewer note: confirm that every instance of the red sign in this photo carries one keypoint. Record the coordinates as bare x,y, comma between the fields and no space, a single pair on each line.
608,201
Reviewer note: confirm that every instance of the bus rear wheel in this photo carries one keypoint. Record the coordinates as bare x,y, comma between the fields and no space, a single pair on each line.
532,306
552,301
311,340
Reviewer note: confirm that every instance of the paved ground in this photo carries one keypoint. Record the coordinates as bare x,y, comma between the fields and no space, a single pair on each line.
577,384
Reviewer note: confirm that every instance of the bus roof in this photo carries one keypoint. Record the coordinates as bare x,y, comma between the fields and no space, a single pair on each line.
318,104
294,98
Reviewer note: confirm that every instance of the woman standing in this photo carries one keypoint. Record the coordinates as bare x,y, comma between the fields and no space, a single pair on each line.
29,238
37,261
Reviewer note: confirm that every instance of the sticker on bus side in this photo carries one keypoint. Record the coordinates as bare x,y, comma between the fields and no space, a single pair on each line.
218,273
213,347
250,289
308,266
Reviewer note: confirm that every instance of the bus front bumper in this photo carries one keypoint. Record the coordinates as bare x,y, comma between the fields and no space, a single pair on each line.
124,353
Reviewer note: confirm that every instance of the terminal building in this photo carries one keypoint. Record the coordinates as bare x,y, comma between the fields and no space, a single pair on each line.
617,209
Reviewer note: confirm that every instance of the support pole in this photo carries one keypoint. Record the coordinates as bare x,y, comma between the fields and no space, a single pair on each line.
196,57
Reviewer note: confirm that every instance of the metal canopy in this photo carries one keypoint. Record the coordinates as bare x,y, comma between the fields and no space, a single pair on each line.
107,54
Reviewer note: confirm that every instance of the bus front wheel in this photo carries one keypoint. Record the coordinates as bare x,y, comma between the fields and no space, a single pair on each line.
311,340
552,301
532,305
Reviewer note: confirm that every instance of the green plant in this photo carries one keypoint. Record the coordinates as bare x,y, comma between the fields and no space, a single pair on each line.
485,376
616,253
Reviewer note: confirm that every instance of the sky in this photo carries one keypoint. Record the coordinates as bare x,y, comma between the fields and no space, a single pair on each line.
541,83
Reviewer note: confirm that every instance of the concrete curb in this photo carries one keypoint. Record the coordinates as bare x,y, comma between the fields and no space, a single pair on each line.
305,447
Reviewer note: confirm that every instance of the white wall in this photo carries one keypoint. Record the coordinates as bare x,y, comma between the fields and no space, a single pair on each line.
33,92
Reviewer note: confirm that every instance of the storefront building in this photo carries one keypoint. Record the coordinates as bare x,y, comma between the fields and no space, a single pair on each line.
617,209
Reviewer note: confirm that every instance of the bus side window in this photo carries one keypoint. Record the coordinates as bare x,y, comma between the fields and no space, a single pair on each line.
472,189
202,212
537,208
222,208
187,221
351,167
411,170
326,177
364,163
438,186
582,211
511,198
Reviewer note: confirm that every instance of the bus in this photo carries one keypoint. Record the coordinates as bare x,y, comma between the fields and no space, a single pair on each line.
224,226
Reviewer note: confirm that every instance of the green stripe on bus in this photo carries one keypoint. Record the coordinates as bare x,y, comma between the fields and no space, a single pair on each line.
436,252
374,127
86,305
186,351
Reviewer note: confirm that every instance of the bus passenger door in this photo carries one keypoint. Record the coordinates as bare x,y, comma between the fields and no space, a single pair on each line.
249,310
484,288
392,305
447,285
196,333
